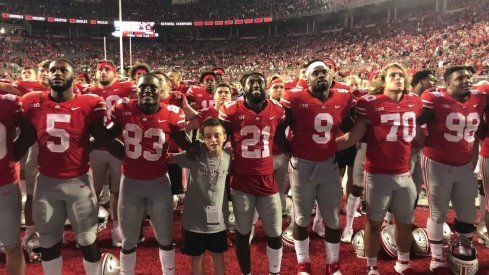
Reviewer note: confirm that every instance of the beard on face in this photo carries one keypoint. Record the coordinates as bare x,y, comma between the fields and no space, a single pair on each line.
255,99
60,89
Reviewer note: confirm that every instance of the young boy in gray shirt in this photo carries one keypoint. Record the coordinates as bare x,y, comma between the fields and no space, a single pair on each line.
202,217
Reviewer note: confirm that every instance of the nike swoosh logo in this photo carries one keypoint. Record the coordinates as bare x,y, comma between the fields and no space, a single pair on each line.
75,108
161,120
337,106
410,105
272,117
475,105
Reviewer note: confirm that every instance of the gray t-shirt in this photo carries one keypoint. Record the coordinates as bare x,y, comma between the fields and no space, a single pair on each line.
204,189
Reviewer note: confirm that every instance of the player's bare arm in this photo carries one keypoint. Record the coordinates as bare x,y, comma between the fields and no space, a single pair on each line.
26,138
355,135
107,138
280,138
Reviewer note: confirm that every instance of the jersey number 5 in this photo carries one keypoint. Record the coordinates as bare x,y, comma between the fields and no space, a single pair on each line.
407,120
62,134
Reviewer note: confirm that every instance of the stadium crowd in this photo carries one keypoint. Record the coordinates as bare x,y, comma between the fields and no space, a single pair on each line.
291,123
433,41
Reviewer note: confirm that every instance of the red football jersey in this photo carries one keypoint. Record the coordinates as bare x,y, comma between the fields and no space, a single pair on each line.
112,94
451,132
392,130
484,152
9,120
340,86
146,137
315,123
356,94
182,88
252,139
206,113
25,87
180,100
202,98
63,131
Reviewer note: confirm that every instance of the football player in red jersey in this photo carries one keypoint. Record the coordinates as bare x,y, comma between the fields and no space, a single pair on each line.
252,123
178,99
315,115
388,119
28,74
344,158
422,81
42,84
483,163
354,188
103,163
137,70
22,87
148,126
176,81
62,123
300,82
221,96
203,95
10,202
452,119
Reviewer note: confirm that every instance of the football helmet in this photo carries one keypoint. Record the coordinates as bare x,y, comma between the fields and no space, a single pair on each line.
103,218
358,244
33,248
388,240
482,235
421,245
462,257
288,236
110,264
447,234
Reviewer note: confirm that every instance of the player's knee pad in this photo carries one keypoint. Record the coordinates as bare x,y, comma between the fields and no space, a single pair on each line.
357,191
128,251
166,247
242,238
463,227
274,242
51,253
91,253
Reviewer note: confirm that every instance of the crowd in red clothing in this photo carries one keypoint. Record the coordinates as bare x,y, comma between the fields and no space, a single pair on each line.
418,41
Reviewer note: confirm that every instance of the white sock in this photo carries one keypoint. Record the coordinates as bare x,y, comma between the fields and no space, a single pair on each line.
302,250
93,268
351,207
53,267
274,259
128,263
403,258
332,252
167,259
371,262
482,205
